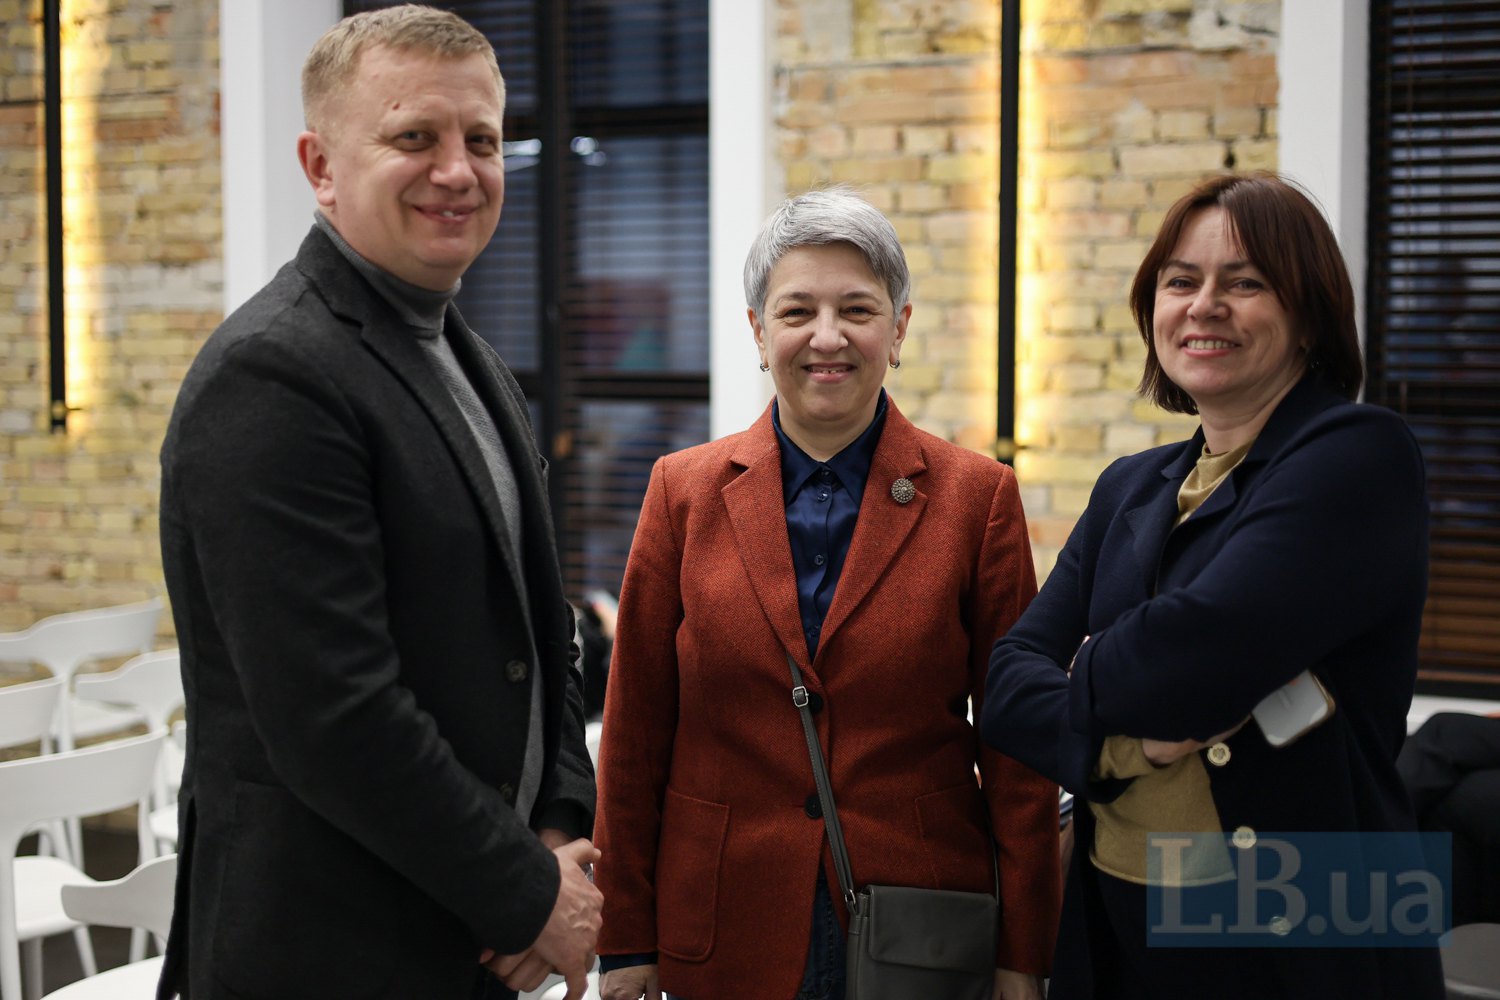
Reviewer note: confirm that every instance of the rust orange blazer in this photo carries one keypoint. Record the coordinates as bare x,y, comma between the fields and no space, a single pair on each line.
707,822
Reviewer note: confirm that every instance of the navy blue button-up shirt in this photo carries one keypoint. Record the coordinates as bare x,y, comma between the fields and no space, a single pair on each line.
822,504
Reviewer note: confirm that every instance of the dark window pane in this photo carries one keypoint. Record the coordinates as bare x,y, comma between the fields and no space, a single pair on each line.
1434,301
499,297
638,53
618,442
638,301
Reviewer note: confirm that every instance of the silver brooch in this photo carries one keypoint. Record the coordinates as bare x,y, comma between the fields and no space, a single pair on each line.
902,491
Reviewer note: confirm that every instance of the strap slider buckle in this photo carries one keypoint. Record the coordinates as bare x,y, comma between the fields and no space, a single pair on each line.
799,696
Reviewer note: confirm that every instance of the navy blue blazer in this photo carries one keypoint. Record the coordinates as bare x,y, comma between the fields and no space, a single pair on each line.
1311,555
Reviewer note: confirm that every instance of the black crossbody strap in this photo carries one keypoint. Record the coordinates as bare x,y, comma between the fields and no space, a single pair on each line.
825,789
825,797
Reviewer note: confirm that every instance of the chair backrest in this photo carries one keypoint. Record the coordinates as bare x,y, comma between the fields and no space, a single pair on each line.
27,710
141,899
150,683
63,642
83,782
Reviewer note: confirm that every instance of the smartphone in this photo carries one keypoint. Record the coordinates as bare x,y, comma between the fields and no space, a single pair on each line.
1292,709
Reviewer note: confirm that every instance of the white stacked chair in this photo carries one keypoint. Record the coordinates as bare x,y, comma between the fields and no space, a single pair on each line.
142,900
26,715
150,684
63,643
86,782
173,757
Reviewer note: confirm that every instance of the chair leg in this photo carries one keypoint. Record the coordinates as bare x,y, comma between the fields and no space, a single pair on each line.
10,951
31,969
85,951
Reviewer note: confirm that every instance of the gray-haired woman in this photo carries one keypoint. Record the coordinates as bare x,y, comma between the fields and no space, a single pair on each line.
887,562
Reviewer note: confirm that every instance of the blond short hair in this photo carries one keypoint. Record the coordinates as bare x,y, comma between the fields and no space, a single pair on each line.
416,28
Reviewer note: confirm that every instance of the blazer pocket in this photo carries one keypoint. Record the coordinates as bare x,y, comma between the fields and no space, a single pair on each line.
687,875
956,837
301,911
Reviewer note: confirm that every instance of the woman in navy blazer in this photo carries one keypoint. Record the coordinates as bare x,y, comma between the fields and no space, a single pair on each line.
1287,535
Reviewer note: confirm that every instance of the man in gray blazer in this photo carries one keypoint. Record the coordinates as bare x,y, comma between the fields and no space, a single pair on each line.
387,785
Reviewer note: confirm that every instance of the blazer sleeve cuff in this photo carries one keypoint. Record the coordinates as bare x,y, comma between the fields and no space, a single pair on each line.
569,817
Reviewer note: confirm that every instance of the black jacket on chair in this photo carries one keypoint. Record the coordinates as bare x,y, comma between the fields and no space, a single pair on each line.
358,656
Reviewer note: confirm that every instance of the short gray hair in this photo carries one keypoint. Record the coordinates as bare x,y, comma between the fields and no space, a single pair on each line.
833,215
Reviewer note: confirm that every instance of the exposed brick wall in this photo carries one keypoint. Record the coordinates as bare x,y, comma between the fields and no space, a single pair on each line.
1125,104
900,99
78,510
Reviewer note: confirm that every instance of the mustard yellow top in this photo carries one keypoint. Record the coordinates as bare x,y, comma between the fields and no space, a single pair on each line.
1171,799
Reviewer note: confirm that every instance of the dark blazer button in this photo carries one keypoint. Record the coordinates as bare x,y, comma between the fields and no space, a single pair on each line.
814,702
508,793
813,807
516,671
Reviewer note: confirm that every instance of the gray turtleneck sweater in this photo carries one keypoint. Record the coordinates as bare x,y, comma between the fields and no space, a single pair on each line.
425,313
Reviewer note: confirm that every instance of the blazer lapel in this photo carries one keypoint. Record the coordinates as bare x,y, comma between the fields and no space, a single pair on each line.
884,525
514,425
1151,522
1305,399
352,298
757,514
1219,501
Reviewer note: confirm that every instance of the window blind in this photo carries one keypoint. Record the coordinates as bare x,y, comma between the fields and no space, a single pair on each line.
1434,303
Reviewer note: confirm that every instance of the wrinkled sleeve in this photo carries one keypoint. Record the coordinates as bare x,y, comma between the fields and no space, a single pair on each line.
1022,803
640,715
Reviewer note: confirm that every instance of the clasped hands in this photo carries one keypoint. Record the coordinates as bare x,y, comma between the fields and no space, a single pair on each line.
566,944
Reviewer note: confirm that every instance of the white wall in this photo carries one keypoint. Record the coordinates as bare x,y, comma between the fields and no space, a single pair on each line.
741,193
268,204
1324,116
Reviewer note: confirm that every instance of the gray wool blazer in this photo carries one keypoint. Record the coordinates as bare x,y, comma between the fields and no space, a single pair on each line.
357,660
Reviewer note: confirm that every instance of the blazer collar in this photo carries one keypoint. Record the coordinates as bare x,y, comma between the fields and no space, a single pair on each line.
1153,521
757,513
383,332
884,525
1308,398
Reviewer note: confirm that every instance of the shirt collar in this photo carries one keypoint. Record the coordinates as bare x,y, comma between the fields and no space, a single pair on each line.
851,466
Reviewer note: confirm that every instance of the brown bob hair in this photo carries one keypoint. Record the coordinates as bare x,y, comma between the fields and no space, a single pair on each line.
1285,236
